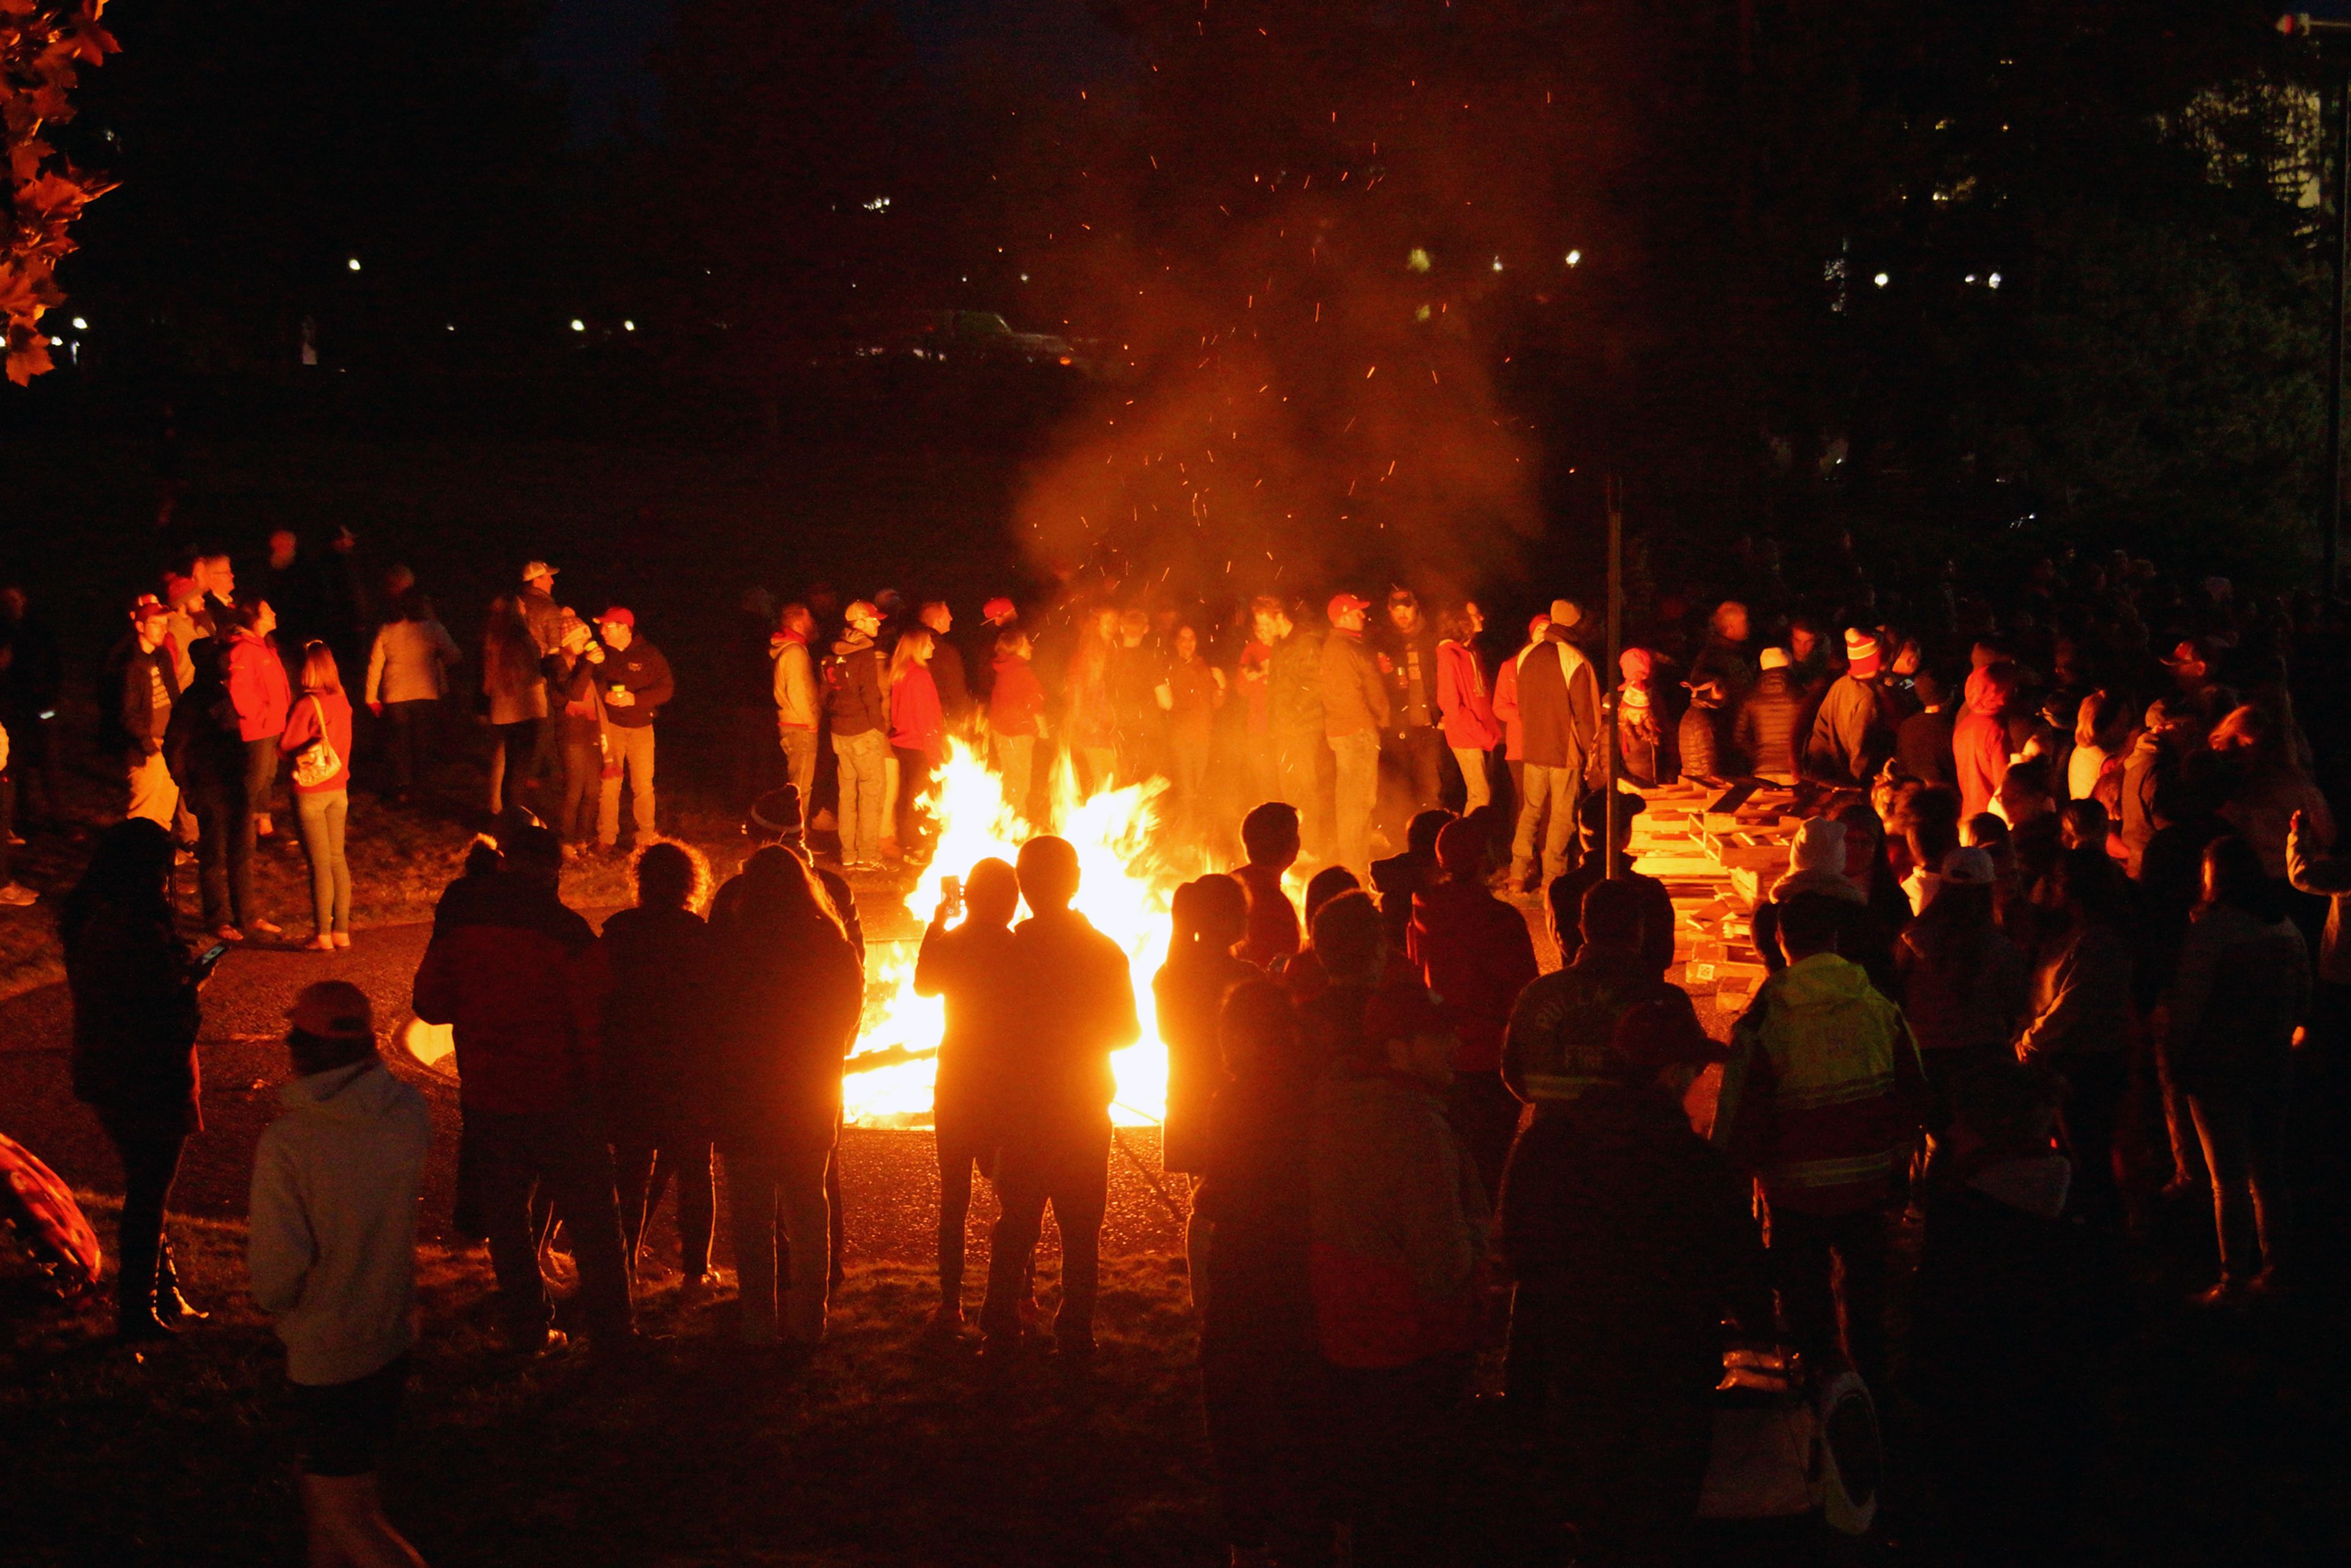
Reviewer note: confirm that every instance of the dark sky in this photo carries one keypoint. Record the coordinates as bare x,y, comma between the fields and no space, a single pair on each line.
597,47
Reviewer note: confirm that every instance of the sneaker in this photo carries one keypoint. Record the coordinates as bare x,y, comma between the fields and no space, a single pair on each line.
265,927
322,943
17,896
343,938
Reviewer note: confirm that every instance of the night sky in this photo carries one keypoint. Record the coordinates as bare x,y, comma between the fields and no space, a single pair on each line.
597,48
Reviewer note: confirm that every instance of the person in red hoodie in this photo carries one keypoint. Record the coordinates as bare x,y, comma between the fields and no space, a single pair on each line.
918,725
1506,711
1016,716
1474,952
1398,1224
318,738
258,690
1979,739
503,970
1470,727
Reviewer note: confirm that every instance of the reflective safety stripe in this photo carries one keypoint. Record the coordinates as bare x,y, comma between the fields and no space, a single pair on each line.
1836,1092
1831,1173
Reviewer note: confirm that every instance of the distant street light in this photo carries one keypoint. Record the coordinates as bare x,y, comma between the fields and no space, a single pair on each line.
80,325
1575,258
578,325
353,263
1881,280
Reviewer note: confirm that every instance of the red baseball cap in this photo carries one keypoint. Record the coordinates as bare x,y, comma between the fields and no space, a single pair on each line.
618,615
149,608
999,609
2193,651
1343,603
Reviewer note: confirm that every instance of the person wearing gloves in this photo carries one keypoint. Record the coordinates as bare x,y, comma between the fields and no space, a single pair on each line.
636,684
331,1254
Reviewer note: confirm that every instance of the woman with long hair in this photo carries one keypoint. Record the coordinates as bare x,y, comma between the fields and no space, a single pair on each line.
918,730
319,738
517,694
1464,702
134,984
1210,916
2242,987
258,690
788,990
2101,735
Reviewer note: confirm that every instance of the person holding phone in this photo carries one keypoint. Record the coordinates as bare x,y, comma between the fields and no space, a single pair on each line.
134,984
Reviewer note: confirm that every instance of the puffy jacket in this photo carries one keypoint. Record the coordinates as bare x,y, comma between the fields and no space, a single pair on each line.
1979,741
499,971
854,687
1559,706
332,1223
1470,722
1355,698
1852,732
1824,1092
1398,1223
1474,952
258,686
1771,726
640,668
410,661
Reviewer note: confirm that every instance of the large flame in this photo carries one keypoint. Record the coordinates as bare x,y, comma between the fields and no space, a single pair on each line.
1127,884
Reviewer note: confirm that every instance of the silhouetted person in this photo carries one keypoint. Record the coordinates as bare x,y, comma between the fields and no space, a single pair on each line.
1210,916
967,964
1270,837
1473,950
500,971
136,1014
1566,894
1077,1006
643,992
787,1000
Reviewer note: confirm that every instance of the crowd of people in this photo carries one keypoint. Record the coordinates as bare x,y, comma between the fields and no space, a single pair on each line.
2043,961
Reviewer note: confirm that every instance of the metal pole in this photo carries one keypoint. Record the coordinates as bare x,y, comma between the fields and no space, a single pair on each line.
2333,513
1616,496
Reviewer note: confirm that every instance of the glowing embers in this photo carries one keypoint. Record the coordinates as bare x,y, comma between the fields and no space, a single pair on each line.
1128,886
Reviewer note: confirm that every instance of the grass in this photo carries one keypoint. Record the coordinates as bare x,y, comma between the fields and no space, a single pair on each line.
889,1449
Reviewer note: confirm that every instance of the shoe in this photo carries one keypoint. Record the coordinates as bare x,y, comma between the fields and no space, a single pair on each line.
227,934
16,896
946,1323
2224,1292
322,943
263,828
265,927
173,1308
343,938
548,1341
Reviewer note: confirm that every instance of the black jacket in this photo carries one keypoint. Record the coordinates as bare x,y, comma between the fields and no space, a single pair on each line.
854,697
643,670
133,984
1773,725
128,722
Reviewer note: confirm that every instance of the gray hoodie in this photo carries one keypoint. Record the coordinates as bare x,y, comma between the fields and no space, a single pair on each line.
332,1249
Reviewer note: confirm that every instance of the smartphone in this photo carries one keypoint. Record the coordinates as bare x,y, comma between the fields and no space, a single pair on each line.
210,957
951,890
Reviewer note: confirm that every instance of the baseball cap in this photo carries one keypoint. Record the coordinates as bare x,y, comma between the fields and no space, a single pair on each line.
997,609
1566,614
1343,603
1403,596
1774,658
618,615
333,1010
531,569
1537,626
2192,651
1663,1033
1968,864
149,608
861,610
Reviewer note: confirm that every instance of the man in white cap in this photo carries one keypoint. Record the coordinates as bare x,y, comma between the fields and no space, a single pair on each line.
1559,723
541,612
1854,731
1769,730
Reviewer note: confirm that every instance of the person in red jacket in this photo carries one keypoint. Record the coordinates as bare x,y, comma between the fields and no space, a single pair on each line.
1016,716
1470,727
1979,737
1474,952
258,690
500,970
318,738
918,731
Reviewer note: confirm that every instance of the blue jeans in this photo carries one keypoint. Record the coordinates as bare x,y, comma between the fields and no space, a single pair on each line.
318,817
1548,799
862,756
1355,794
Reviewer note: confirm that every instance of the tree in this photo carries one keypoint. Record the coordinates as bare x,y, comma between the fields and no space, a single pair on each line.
44,44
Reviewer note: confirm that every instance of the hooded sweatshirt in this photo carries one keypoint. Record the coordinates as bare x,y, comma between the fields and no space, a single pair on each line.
1980,739
854,687
1462,697
331,1249
1823,1091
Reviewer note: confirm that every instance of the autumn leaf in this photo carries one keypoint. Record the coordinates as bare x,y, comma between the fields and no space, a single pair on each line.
28,353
